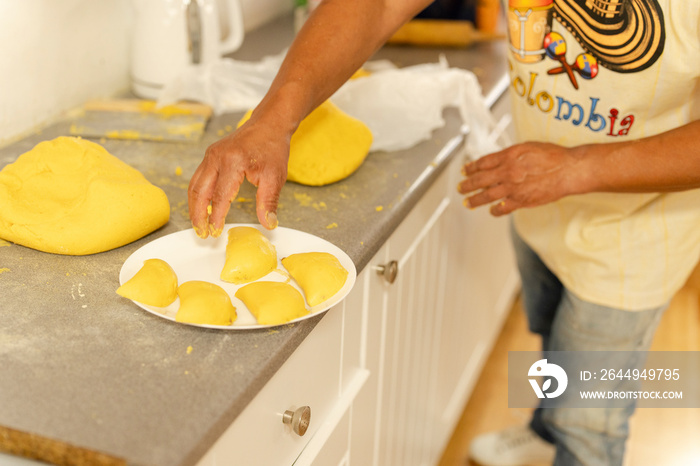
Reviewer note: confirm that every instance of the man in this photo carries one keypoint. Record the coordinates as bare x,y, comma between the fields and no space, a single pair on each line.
605,199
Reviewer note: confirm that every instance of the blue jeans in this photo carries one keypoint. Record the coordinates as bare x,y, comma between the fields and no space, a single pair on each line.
582,436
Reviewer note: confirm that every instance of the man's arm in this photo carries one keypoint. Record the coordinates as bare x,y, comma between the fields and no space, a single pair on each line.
338,37
532,174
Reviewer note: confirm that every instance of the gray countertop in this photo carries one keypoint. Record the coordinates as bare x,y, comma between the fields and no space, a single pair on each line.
86,374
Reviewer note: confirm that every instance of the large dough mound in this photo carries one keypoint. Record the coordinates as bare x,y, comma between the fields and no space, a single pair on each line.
272,303
319,274
328,146
155,284
249,256
204,303
71,196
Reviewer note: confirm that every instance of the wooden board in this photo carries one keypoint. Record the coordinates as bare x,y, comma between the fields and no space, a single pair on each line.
141,120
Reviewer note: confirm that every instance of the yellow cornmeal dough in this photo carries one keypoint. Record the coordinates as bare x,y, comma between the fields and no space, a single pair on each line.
71,196
272,303
319,274
328,146
204,303
155,284
249,256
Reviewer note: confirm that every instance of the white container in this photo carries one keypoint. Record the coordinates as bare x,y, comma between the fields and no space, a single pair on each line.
170,35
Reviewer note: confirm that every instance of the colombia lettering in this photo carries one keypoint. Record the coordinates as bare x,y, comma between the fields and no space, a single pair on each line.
576,113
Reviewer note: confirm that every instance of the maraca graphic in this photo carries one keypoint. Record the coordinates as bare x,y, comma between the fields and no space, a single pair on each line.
586,65
555,48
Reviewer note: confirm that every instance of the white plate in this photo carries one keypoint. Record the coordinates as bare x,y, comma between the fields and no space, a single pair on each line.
194,258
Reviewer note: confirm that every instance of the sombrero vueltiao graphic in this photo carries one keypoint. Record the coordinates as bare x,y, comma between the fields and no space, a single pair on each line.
624,35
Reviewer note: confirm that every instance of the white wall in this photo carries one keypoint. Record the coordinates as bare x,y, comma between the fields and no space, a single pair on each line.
56,54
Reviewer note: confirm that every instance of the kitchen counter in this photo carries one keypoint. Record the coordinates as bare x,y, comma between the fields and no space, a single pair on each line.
87,377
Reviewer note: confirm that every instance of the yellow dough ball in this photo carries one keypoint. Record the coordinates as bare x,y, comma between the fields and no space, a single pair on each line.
319,274
155,284
204,303
328,146
249,256
70,196
272,303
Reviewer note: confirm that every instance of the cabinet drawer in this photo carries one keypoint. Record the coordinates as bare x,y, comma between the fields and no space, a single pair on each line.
335,451
310,377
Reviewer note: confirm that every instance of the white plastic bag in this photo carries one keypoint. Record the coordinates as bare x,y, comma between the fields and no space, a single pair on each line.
226,85
403,106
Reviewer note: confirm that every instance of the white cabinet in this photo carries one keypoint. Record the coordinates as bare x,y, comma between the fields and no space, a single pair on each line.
388,371
430,331
308,378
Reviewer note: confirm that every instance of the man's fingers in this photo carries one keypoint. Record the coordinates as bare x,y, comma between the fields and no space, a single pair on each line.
267,198
487,196
225,192
503,207
487,162
479,180
199,195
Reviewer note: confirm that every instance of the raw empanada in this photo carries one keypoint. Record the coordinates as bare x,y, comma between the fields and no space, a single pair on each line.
272,303
249,256
204,303
319,274
155,284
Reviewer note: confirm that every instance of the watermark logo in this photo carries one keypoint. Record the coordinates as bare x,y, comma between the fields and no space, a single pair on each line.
549,371
603,379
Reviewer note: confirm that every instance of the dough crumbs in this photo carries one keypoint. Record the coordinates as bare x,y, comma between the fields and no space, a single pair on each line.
4,269
331,226
178,171
379,208
189,349
304,200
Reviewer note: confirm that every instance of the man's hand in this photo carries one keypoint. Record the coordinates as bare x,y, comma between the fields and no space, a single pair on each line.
338,37
250,152
523,175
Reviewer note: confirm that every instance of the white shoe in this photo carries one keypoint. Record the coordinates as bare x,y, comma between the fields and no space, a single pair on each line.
516,446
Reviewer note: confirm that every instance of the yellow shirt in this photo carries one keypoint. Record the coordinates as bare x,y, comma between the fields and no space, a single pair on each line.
628,251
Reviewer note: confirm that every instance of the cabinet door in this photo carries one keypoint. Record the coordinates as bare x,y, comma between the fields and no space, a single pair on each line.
366,423
481,284
413,308
430,331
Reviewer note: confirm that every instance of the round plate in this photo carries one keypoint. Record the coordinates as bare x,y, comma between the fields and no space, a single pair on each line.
194,258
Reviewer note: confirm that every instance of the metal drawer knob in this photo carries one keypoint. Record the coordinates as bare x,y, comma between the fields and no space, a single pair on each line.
388,271
299,419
